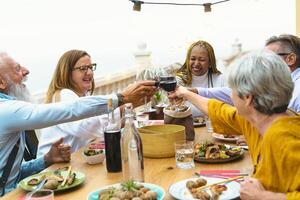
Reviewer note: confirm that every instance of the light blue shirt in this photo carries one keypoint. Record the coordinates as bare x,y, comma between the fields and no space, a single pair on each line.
295,101
18,116
224,93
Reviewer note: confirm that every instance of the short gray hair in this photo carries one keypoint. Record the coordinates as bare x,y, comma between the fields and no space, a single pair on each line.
289,42
266,76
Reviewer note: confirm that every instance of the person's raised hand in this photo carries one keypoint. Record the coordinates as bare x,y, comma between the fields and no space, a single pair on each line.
178,94
135,93
58,152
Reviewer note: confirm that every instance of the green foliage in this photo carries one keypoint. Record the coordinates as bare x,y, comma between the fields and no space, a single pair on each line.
130,185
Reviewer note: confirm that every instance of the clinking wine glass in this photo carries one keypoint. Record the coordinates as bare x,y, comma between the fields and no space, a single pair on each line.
145,74
168,83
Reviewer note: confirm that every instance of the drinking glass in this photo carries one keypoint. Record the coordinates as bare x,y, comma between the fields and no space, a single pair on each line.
142,119
209,126
184,154
43,194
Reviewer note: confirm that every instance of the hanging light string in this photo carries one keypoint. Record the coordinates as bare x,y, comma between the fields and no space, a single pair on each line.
137,4
177,4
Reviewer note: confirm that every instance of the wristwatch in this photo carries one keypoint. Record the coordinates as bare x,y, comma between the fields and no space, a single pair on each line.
120,99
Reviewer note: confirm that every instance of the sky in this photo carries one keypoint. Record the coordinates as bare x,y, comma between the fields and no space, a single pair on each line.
37,32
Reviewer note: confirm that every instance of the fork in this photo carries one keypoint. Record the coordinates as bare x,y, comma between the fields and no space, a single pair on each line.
39,186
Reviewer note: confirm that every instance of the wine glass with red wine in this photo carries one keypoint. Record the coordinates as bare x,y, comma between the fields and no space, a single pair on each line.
167,83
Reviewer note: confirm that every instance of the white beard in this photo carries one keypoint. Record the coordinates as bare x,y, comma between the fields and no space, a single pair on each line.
19,91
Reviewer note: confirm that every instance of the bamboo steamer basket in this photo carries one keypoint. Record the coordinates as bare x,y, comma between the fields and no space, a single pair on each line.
158,140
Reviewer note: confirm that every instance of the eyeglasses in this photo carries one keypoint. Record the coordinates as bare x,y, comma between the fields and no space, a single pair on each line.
283,54
85,68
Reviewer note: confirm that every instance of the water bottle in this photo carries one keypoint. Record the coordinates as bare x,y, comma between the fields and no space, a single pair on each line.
132,149
112,136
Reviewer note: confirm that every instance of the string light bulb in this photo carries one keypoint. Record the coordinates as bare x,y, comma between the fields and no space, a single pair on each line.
137,5
207,7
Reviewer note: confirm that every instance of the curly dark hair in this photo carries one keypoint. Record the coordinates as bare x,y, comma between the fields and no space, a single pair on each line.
185,74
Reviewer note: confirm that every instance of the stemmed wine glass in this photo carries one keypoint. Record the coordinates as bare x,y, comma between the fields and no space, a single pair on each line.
168,83
145,74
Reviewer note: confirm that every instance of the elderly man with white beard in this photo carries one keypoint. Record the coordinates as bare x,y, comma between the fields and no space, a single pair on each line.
17,115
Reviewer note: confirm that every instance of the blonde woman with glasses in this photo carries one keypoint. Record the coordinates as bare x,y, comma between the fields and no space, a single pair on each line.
73,78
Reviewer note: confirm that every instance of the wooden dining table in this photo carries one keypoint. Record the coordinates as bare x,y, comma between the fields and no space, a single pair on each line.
162,172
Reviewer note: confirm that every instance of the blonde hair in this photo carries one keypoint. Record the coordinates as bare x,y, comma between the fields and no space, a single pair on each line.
185,73
62,75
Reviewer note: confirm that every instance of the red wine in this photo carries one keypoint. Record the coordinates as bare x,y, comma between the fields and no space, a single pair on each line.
113,151
167,78
168,86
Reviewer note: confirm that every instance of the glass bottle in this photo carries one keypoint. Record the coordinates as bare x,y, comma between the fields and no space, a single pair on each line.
112,136
132,149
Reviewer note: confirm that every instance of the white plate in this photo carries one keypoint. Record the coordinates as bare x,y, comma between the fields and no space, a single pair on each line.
199,124
180,191
221,137
160,192
196,124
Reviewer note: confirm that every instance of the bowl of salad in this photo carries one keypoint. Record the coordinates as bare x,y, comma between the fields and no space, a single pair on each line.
94,154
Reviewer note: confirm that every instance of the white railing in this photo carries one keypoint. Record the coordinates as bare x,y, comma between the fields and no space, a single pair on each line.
114,83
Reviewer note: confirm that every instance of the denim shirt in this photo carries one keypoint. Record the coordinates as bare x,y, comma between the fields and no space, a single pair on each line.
6,145
18,116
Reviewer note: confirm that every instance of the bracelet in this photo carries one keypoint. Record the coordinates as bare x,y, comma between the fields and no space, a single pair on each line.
120,99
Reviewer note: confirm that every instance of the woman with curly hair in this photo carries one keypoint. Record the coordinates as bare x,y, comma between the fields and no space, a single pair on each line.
200,69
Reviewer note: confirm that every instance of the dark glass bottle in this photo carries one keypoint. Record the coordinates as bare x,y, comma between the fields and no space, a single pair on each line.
112,136
132,149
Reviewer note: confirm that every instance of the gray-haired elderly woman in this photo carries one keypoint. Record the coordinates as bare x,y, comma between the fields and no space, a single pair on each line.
261,89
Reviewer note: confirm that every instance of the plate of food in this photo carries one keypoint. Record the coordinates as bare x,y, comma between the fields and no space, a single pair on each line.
56,180
225,137
192,189
128,190
210,152
199,121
